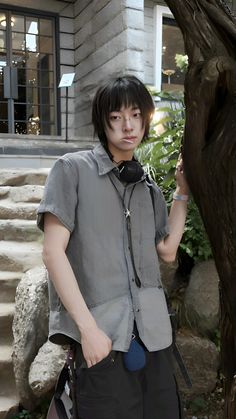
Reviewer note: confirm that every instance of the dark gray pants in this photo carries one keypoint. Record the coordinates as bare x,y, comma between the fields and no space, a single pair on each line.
108,391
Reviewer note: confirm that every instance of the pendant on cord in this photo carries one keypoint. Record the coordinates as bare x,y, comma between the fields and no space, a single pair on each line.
127,212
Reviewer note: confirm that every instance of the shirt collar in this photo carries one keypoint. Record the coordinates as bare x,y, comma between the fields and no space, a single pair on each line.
104,162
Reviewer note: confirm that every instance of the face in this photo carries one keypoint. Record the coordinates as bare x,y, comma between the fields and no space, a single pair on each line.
126,132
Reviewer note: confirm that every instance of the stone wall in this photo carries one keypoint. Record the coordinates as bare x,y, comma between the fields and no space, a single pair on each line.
108,41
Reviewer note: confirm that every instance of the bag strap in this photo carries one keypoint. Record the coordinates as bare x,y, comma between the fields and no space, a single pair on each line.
72,378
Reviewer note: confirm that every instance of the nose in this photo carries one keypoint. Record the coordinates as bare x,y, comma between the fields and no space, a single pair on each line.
127,125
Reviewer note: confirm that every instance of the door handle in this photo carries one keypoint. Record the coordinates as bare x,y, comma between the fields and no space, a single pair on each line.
10,82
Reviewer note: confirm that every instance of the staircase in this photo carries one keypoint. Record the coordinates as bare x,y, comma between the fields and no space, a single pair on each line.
20,249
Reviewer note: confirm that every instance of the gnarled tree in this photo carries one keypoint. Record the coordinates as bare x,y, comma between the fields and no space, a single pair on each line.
209,152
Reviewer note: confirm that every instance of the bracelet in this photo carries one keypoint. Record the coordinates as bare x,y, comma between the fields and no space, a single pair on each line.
179,197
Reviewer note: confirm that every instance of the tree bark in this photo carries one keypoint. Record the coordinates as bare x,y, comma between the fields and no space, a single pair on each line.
209,151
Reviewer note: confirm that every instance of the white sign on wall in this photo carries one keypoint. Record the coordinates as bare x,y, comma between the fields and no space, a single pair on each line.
67,80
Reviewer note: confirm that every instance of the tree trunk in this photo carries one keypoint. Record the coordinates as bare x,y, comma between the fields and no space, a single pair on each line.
209,151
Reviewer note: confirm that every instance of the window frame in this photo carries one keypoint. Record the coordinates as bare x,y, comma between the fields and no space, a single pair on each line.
159,13
55,17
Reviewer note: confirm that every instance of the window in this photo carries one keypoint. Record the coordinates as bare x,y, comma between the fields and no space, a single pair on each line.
169,42
28,92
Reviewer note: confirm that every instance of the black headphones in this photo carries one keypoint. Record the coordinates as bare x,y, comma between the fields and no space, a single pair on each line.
130,171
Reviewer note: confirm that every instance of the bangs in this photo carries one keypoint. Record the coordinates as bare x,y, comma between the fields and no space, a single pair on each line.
123,96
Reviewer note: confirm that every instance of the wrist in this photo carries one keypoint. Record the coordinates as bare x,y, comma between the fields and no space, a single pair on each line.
87,328
180,196
182,190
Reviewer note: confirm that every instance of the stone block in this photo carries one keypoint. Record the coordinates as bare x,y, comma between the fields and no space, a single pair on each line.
16,177
104,54
21,211
120,64
105,15
4,191
26,193
100,4
45,369
19,230
66,25
68,11
71,105
83,17
19,258
135,39
66,41
30,328
134,18
82,34
85,50
67,56
202,361
80,5
112,29
135,61
201,302
134,4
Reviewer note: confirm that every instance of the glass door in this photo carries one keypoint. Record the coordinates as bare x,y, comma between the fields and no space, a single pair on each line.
27,74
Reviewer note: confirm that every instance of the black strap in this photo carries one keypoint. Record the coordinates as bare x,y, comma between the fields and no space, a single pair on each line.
67,375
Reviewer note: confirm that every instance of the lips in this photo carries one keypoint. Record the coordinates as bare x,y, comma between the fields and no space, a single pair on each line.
129,139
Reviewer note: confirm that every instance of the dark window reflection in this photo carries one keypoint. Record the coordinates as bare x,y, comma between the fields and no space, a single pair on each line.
172,44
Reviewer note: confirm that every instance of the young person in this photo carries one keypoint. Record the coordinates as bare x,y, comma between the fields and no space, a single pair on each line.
105,225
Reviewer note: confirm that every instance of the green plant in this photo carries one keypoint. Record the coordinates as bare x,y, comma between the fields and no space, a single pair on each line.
197,405
181,62
159,155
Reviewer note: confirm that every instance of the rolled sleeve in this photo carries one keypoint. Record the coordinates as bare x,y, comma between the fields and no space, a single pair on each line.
60,195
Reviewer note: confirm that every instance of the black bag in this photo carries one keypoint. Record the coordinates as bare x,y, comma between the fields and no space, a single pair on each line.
63,404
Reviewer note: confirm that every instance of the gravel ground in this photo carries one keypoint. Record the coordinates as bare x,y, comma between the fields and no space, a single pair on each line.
206,406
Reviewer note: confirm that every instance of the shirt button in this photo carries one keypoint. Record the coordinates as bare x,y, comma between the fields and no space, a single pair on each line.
133,279
137,309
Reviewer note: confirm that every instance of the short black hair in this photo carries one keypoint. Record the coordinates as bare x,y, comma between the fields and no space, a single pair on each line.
121,91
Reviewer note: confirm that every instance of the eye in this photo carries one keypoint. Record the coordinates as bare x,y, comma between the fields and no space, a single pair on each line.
114,117
137,114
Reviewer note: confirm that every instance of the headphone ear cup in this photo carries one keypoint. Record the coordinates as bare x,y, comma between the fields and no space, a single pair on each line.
130,171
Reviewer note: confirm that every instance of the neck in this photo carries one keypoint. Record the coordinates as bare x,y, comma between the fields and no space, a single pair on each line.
118,157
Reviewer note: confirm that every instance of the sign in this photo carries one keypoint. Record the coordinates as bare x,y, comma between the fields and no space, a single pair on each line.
66,80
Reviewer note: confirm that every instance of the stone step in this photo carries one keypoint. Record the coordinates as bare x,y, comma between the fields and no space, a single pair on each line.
19,257
6,318
25,193
18,177
9,210
7,377
5,358
8,284
8,406
19,230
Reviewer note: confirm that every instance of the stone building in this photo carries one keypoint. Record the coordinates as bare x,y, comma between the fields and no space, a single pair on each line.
91,38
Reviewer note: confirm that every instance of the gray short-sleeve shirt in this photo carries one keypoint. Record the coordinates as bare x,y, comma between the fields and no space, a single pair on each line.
107,252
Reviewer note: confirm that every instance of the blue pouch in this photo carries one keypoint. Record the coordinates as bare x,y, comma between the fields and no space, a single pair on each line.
135,358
